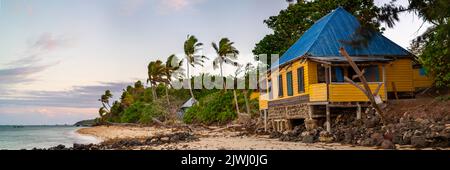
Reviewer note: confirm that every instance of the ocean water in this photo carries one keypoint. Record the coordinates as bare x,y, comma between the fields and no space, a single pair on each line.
28,137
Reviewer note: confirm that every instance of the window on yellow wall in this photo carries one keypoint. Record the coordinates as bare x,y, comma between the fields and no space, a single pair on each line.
321,74
290,90
301,80
422,72
280,86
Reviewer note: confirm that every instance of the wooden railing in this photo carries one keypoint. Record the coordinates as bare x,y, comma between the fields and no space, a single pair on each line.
341,92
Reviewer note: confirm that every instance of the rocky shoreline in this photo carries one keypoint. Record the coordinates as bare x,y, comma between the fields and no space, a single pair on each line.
130,143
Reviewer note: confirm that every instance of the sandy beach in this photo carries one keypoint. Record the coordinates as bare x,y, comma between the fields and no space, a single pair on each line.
211,138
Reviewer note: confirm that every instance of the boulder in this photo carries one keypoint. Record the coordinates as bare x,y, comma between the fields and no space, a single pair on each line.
326,137
368,142
387,144
377,138
310,124
308,139
418,141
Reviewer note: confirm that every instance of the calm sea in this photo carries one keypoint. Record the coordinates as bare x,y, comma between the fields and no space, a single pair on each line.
28,137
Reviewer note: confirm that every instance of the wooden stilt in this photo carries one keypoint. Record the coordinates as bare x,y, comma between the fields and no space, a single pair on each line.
328,123
310,111
274,125
395,90
265,120
366,90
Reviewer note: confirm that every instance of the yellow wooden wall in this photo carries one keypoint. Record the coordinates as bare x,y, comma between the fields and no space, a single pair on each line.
421,81
349,93
318,92
401,72
309,71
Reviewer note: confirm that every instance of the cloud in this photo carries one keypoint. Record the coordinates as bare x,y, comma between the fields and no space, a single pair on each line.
54,107
11,76
128,7
48,42
77,97
31,61
176,4
167,6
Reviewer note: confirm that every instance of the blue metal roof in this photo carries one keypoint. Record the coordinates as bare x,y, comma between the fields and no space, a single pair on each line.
325,38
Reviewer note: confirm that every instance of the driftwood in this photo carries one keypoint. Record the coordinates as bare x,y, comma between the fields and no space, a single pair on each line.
366,89
228,127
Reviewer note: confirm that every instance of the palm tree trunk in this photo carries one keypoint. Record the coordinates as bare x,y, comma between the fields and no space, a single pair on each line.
167,95
154,92
247,105
236,102
223,78
189,78
104,106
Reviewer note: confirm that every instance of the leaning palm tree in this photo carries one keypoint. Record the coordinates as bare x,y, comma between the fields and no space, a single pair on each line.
191,49
172,66
156,71
106,107
226,53
104,99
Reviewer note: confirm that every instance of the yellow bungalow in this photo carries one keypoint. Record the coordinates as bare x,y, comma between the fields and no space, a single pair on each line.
308,80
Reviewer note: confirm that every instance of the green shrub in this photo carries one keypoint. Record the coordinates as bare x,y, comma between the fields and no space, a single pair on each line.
140,112
216,107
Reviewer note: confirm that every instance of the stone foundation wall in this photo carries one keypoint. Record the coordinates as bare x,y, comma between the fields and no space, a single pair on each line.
296,111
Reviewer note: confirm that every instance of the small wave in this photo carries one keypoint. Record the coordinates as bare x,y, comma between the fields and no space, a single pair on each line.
83,139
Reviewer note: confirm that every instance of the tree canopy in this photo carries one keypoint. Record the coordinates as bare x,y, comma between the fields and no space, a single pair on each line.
292,22
432,47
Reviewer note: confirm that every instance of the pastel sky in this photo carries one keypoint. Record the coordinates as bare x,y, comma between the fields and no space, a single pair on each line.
58,56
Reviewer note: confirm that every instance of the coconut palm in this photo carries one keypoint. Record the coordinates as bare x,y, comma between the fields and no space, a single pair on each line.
104,99
226,53
156,71
236,73
191,49
172,67
248,68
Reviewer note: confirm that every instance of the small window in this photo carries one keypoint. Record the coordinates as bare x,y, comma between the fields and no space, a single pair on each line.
270,89
338,75
321,74
290,90
422,72
280,86
300,80
372,74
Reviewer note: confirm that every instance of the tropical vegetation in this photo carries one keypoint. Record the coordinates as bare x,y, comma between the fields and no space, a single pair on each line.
141,104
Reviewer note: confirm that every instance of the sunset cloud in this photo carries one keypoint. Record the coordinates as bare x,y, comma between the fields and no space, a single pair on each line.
167,6
32,60
78,97
50,107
